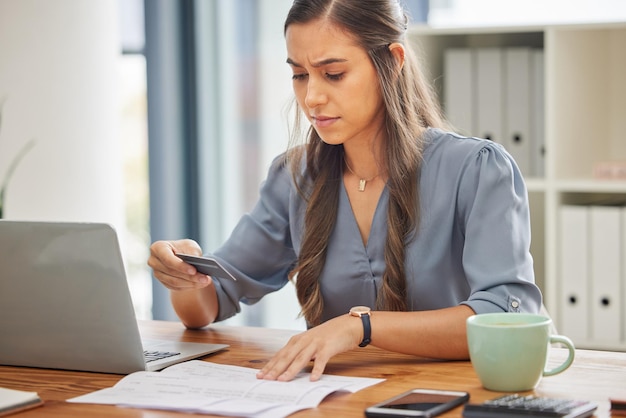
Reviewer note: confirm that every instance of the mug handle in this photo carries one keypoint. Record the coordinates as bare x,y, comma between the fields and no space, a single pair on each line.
570,357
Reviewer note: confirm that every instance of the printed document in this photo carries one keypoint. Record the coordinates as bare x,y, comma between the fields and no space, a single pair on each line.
208,388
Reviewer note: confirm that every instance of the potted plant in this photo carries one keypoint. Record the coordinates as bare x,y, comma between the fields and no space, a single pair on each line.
13,166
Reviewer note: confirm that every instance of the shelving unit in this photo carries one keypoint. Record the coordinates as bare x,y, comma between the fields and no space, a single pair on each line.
585,123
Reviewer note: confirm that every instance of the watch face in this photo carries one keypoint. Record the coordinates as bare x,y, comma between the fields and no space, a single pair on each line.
360,310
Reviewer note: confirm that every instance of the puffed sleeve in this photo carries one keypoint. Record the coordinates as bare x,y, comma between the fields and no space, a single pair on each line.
494,211
259,251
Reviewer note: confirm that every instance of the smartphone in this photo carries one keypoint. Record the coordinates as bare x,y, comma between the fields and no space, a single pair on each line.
207,265
418,403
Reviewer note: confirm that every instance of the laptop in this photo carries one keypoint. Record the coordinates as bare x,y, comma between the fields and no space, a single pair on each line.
65,303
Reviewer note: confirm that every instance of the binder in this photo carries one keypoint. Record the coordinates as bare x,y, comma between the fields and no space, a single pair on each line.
517,70
489,93
605,262
574,272
458,89
623,277
537,139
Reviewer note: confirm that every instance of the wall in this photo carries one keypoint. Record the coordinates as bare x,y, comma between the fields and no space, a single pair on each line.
58,76
523,12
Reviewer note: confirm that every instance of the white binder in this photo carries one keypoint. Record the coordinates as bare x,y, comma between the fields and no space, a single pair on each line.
605,262
537,139
458,89
517,65
574,272
623,276
489,94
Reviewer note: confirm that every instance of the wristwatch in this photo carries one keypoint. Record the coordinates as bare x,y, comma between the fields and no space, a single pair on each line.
364,313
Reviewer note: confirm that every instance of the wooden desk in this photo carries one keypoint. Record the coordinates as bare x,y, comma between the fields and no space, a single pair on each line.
595,375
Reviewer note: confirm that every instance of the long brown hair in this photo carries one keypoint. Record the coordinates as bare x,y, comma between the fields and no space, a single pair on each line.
410,108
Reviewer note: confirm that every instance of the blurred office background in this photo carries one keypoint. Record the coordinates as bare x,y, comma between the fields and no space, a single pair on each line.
161,116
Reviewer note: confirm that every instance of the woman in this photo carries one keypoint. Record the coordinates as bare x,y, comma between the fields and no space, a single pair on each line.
379,208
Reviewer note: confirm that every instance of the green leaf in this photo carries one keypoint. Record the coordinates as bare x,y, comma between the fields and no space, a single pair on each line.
25,149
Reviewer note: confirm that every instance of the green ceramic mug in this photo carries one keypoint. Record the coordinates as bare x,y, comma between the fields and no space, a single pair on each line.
509,350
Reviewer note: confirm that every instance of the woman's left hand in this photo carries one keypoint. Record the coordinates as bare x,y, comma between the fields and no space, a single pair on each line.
317,344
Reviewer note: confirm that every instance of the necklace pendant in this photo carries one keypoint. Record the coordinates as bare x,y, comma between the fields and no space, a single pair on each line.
362,185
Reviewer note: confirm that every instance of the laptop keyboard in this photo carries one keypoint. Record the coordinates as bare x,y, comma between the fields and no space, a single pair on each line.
158,355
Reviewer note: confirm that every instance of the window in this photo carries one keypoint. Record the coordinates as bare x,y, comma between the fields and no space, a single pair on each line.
133,128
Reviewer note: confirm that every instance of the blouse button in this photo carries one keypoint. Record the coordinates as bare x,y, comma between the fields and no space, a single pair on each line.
515,304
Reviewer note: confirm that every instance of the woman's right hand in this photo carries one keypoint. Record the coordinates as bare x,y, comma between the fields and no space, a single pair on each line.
173,272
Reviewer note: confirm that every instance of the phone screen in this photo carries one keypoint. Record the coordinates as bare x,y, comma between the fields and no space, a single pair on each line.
418,403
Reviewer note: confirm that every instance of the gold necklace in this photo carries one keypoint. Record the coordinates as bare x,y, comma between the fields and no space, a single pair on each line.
362,181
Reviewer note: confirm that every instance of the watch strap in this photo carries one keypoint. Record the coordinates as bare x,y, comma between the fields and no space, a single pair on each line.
367,330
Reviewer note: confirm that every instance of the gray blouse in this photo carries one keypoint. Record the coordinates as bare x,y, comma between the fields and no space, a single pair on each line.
472,245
